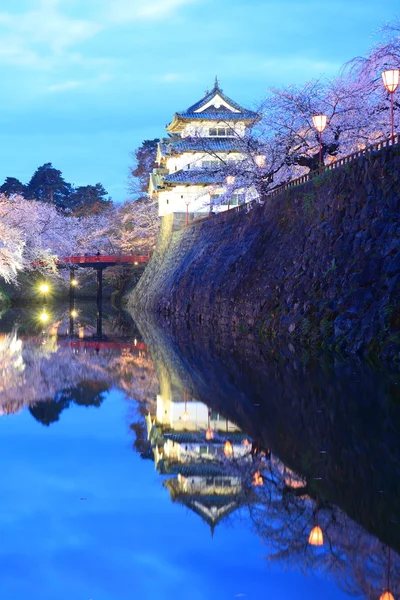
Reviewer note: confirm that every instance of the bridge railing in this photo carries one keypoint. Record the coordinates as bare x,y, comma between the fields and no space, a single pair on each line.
135,259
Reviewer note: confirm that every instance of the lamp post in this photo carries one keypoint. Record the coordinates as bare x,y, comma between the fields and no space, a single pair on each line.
387,595
319,122
209,431
187,202
316,537
391,79
230,180
260,162
44,288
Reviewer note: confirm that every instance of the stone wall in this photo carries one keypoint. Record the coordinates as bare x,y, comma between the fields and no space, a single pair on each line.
317,265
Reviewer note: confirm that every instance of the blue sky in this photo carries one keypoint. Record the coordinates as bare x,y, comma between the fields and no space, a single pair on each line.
85,81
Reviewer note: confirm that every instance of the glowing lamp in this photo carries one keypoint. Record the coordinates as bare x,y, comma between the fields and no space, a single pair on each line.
260,160
316,537
44,317
386,596
209,433
44,288
319,122
74,313
136,263
185,416
228,448
257,479
74,282
81,333
391,79
230,180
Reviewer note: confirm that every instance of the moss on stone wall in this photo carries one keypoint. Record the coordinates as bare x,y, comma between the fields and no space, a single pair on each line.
317,265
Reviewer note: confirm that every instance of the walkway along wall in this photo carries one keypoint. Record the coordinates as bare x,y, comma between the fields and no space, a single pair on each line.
318,264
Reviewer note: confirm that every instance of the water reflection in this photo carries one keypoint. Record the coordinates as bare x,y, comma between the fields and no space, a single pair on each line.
318,416
46,368
304,454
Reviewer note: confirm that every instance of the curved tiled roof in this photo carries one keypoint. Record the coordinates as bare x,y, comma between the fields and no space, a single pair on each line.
212,113
170,146
193,176
220,115
193,437
215,113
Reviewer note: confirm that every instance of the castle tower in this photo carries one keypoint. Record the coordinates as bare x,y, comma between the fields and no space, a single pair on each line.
201,139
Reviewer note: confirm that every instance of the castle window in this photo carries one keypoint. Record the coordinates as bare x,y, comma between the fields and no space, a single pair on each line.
237,199
210,164
221,132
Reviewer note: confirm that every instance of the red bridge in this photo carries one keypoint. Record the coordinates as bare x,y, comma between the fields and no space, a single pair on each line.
102,261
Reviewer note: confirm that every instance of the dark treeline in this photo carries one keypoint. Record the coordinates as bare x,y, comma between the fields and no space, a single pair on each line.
48,185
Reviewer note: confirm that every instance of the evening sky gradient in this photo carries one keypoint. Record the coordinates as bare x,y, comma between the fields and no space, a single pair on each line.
84,82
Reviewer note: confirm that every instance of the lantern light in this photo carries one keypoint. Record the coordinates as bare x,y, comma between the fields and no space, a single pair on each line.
44,288
74,282
257,479
74,313
260,160
316,537
228,448
391,79
230,180
44,317
387,596
185,416
81,333
320,122
209,433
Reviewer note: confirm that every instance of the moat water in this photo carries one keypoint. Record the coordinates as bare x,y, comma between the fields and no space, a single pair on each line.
161,462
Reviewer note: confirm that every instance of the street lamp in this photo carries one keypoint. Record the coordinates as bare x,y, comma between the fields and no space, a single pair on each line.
319,122
187,202
391,79
230,180
387,595
316,537
260,162
228,448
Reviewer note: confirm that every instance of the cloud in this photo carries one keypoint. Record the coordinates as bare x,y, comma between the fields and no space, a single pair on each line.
170,77
65,86
122,11
34,37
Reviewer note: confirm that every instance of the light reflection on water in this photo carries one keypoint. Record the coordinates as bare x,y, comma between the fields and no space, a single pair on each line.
118,476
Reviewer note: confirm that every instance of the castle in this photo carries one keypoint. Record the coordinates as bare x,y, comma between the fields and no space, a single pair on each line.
203,140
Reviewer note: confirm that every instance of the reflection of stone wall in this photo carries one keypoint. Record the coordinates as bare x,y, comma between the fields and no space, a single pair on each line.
316,264
298,409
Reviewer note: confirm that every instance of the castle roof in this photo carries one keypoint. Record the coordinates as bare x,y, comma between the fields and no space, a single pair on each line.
197,437
214,106
194,177
179,145
212,508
